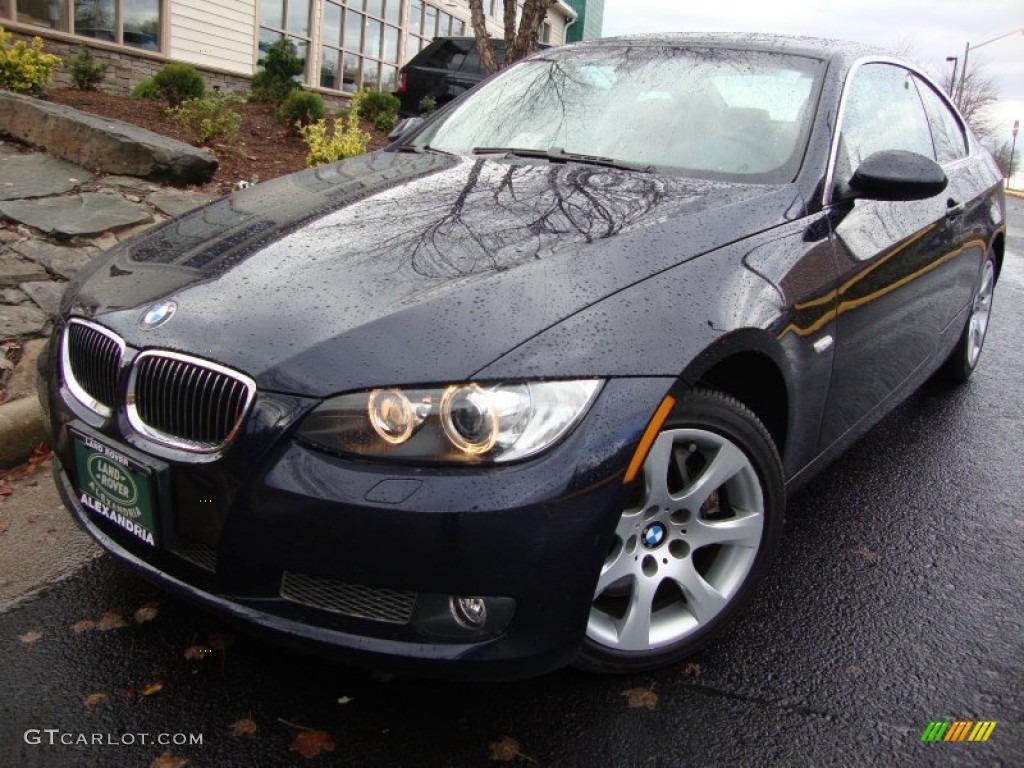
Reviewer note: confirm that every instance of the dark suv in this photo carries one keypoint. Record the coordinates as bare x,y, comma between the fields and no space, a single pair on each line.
445,69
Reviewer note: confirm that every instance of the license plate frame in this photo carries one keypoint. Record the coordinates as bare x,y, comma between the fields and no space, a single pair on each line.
114,485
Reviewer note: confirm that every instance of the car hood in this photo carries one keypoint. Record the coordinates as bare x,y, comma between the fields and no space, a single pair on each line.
400,269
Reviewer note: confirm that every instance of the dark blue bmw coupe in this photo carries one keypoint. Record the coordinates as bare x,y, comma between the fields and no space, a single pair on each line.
529,386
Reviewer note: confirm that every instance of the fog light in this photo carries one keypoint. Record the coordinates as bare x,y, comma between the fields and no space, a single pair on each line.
469,612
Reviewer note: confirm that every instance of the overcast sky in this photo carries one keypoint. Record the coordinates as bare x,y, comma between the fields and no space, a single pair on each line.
935,28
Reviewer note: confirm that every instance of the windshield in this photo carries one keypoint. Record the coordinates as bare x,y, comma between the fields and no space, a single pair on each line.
713,113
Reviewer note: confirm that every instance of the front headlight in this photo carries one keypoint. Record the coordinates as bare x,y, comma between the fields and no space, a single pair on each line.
473,422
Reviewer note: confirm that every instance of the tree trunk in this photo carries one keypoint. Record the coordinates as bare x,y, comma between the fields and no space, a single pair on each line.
479,22
523,42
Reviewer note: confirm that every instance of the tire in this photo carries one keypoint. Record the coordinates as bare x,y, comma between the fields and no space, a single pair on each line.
965,355
676,575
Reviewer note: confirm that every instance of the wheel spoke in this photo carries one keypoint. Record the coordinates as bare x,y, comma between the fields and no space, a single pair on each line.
728,461
634,628
742,530
623,565
656,471
703,599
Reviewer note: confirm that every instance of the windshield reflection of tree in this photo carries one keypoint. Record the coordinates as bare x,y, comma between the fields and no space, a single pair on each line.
658,106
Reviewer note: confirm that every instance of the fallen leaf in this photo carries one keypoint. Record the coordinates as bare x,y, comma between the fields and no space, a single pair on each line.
85,625
867,554
990,673
220,641
197,652
311,743
145,613
111,620
4,525
345,700
94,699
507,750
167,760
5,491
244,727
853,670
152,689
641,697
692,669
31,637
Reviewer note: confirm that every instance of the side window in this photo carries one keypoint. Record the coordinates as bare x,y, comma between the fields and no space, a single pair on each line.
950,142
883,111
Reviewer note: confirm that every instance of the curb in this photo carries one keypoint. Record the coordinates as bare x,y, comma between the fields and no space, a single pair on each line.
1014,193
21,430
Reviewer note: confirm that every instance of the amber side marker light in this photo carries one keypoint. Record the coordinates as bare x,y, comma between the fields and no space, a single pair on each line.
650,434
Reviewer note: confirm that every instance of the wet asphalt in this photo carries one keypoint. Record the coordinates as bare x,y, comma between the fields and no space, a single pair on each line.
897,599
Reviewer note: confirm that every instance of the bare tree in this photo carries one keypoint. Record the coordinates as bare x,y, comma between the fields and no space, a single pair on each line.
520,41
1001,154
974,97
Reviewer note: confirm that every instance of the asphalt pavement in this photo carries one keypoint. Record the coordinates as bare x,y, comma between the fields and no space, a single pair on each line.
897,600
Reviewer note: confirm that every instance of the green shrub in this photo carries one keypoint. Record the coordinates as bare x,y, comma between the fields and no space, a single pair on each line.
86,71
346,140
146,89
25,68
178,83
428,106
300,108
379,103
385,122
209,118
276,80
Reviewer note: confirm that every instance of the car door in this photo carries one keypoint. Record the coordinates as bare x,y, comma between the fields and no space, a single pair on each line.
898,285
972,211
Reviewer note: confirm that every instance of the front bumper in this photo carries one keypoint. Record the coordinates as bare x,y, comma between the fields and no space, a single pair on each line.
532,535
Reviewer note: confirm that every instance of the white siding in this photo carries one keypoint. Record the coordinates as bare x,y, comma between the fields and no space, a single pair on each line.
215,33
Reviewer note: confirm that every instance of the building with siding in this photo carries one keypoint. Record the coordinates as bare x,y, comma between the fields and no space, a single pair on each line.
347,44
590,24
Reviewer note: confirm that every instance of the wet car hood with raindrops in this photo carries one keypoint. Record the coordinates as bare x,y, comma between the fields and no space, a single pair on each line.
401,268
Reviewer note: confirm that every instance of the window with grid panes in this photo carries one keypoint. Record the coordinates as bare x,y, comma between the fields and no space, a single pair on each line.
427,22
360,44
135,23
285,18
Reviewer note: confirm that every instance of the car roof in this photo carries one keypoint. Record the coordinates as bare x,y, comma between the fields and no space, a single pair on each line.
816,47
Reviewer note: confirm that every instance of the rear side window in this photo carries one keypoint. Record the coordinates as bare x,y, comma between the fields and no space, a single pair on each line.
883,112
950,141
443,56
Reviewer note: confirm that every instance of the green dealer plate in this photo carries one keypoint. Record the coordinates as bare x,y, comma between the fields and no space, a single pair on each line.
114,487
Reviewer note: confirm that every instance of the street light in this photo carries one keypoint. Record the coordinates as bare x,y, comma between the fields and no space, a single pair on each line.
967,51
952,80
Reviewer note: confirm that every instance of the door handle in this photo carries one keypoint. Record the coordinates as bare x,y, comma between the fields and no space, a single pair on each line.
953,209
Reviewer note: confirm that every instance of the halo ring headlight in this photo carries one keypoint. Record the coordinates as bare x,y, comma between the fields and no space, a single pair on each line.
470,419
391,415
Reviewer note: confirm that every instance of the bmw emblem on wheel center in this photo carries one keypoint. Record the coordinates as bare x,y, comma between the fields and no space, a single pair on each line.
653,535
157,315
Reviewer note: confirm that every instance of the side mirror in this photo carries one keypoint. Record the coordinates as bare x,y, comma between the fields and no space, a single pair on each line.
897,175
406,126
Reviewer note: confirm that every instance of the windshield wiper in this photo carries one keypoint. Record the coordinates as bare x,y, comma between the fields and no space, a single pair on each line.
421,150
559,155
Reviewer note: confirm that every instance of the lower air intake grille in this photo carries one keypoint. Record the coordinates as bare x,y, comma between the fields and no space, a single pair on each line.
349,599
187,402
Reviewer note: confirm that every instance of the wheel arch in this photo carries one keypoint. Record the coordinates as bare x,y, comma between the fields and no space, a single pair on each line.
749,366
998,247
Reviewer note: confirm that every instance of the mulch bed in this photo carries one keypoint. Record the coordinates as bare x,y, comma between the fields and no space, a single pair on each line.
264,149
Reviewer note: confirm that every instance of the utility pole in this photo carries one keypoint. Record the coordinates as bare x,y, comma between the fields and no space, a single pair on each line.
967,52
1013,147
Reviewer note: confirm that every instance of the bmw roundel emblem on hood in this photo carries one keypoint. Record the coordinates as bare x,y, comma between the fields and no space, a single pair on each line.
157,315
